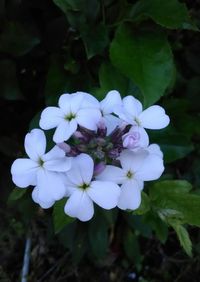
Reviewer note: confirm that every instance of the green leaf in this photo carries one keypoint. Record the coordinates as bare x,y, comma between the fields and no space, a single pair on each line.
184,238
173,202
9,87
144,206
131,247
95,39
171,14
17,40
98,237
145,58
16,194
60,219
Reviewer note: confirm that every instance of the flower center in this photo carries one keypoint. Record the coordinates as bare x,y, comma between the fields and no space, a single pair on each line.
129,174
70,116
84,186
40,162
137,121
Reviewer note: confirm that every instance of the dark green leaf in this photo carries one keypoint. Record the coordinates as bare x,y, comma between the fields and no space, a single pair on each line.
184,238
17,40
170,14
145,58
9,87
16,194
60,219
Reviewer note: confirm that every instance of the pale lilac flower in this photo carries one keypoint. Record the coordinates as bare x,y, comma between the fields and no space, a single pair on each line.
135,138
107,106
131,111
74,109
83,191
136,167
41,169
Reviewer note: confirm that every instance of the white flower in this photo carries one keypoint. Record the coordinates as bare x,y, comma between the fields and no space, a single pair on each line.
137,167
107,107
135,138
41,170
74,109
84,191
153,117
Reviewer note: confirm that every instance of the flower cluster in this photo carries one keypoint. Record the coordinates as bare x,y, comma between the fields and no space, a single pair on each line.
101,154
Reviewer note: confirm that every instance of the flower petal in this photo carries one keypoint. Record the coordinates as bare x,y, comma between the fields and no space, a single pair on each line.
59,165
64,130
132,106
155,149
82,170
112,173
44,205
50,185
131,160
130,197
51,117
108,104
80,206
88,118
54,153
154,117
24,172
144,138
151,169
35,144
65,103
111,122
104,193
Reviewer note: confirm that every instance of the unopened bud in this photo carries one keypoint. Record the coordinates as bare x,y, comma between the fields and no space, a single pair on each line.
131,139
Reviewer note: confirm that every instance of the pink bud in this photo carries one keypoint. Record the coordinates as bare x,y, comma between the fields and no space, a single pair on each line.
99,168
131,139
64,146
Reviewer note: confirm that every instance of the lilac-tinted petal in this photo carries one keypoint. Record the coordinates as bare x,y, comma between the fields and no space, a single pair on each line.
154,117
64,130
124,115
132,106
82,170
35,144
130,197
65,103
76,102
155,149
144,138
51,117
112,173
24,172
132,160
111,100
54,153
89,101
111,122
79,205
151,169
88,118
59,165
50,185
35,197
104,193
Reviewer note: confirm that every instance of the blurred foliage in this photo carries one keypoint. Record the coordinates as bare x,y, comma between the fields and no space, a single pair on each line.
145,48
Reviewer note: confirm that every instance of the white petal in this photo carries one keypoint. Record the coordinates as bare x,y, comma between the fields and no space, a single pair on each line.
51,117
50,185
132,160
44,205
104,193
151,169
154,118
65,103
24,172
80,206
121,112
59,165
76,102
64,130
54,153
88,118
155,149
108,104
35,144
89,101
111,122
112,173
82,170
132,106
130,197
